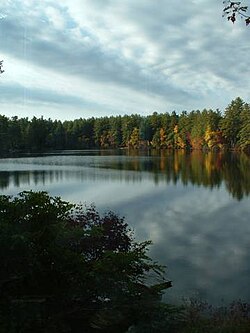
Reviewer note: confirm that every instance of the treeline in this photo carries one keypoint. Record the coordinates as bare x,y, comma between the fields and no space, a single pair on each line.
206,129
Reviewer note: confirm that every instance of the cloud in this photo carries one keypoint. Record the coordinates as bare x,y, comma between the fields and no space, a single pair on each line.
163,55
87,60
197,235
38,96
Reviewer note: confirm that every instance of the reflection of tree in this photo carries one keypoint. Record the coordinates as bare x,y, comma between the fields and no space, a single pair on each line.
29,178
236,173
206,169
211,169
194,167
4,180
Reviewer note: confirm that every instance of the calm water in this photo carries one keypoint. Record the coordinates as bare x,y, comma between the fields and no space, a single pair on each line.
194,206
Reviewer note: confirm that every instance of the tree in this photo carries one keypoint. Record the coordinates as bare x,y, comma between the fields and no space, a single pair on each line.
179,143
37,134
15,135
101,132
184,128
4,135
128,125
146,130
244,132
198,129
66,268
115,131
58,135
135,138
234,9
231,122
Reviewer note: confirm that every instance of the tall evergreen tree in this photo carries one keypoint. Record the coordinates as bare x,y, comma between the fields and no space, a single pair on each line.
244,133
231,123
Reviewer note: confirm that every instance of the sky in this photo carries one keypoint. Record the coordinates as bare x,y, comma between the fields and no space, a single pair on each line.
94,58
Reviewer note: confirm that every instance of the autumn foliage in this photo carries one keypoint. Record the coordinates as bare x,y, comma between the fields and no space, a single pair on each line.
207,129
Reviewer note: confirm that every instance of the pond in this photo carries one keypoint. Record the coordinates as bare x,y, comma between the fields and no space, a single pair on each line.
194,206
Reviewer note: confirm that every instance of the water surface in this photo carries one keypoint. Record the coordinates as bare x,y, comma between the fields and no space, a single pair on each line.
195,207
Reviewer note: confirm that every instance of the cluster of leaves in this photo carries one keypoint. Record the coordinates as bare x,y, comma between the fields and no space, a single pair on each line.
1,67
65,268
233,9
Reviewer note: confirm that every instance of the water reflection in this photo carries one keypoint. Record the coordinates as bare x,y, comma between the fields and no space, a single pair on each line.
203,239
199,169
179,200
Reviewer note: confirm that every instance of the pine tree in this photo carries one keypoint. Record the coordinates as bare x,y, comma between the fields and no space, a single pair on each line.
231,123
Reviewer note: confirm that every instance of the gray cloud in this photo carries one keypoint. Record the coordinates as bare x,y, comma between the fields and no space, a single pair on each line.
182,53
18,93
67,56
205,253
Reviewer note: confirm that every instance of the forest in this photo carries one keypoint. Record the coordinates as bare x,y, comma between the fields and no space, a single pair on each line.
206,129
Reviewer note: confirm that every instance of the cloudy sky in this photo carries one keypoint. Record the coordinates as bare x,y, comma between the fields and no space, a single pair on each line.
83,58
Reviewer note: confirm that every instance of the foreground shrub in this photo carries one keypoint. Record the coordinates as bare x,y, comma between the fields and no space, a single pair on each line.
199,316
65,268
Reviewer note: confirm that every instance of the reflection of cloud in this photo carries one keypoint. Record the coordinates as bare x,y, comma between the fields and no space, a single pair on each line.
202,235
206,251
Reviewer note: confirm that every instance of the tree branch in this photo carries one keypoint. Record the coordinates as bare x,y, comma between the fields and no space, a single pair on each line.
1,67
234,9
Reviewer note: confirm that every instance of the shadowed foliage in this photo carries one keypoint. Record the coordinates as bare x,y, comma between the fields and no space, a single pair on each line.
65,268
1,67
235,9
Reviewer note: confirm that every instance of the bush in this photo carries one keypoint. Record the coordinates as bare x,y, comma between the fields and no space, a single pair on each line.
65,268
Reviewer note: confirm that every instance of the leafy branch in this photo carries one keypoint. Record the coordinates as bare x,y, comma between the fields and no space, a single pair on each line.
234,9
1,67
